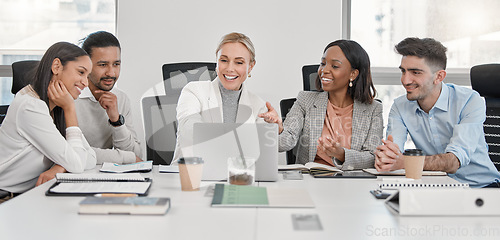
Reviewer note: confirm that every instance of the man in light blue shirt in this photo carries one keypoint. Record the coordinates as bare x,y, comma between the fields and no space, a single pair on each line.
444,120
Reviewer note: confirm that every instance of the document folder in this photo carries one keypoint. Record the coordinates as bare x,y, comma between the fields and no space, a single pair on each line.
445,202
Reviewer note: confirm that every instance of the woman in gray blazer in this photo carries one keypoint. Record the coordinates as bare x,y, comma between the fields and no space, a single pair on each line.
341,125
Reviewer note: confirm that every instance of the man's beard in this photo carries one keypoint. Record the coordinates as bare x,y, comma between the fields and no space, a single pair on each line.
99,85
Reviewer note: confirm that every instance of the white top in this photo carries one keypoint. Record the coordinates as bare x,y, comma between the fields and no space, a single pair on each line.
30,143
111,144
201,102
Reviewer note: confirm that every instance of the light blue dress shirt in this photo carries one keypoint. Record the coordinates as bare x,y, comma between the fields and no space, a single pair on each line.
454,124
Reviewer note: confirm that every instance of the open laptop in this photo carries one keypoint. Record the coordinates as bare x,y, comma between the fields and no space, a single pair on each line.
216,142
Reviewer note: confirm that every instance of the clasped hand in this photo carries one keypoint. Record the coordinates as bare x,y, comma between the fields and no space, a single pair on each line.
388,157
332,147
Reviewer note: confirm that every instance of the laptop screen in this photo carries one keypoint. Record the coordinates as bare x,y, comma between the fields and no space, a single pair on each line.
216,142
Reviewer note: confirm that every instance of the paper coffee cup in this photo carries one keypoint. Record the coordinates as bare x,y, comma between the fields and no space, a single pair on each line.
414,163
190,170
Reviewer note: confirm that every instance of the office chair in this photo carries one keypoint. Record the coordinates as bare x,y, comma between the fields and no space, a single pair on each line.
177,75
485,79
160,126
22,72
21,76
309,75
285,106
3,112
160,113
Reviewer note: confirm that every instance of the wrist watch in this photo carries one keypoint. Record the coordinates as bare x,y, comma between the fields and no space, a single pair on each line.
121,121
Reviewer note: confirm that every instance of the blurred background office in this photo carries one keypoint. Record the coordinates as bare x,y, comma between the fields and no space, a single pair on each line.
286,34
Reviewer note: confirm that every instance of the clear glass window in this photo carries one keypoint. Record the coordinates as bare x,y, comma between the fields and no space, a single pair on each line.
467,28
29,27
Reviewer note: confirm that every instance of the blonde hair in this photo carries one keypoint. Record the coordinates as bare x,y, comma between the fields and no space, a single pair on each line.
235,37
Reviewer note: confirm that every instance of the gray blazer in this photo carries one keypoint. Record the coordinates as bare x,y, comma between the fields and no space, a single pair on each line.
304,124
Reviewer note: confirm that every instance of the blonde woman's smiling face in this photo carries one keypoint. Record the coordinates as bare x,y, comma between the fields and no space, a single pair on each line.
233,65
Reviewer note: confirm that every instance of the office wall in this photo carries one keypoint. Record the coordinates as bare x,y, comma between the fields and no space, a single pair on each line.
286,35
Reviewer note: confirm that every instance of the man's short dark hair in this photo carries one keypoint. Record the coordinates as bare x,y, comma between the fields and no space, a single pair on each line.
99,39
429,49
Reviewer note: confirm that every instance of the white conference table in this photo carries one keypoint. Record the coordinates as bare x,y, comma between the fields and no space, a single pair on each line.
345,208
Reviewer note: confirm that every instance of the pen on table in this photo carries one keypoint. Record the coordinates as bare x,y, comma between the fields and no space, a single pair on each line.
115,195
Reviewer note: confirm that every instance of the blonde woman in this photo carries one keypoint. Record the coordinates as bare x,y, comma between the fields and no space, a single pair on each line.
223,100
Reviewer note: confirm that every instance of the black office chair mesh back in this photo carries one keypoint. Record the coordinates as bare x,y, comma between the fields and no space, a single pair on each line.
159,112
485,79
285,106
22,73
3,112
177,75
160,126
309,75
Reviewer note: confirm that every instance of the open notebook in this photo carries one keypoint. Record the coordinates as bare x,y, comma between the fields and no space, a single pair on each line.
309,167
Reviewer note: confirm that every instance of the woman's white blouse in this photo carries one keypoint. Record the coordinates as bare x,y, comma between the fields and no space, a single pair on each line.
30,144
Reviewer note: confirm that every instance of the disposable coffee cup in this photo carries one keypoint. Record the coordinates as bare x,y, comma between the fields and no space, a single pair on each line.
190,170
241,170
414,163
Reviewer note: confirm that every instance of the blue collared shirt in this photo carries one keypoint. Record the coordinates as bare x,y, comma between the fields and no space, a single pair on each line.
453,125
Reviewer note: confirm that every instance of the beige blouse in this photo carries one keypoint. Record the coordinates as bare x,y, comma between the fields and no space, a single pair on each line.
338,125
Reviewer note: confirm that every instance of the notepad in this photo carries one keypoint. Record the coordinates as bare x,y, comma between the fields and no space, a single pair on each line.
124,168
69,184
252,196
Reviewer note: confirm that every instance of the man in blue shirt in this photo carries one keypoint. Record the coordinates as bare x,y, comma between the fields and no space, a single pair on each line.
444,120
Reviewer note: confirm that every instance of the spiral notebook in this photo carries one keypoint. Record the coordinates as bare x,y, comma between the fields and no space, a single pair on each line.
69,184
387,186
